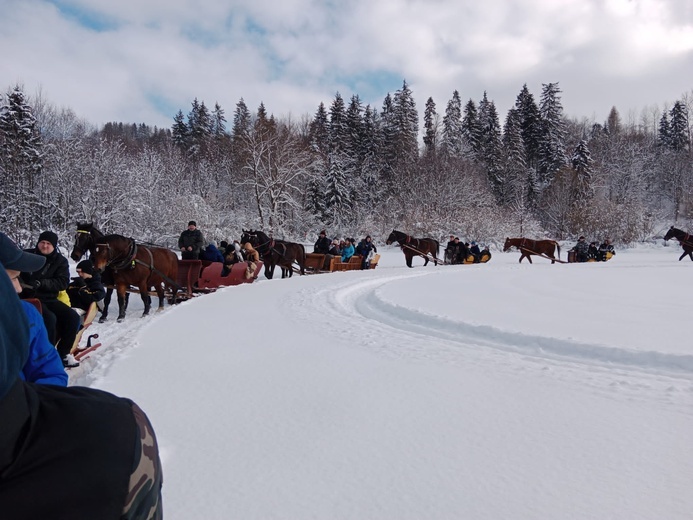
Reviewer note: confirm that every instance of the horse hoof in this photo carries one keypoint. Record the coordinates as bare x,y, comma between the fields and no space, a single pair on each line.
120,320
103,320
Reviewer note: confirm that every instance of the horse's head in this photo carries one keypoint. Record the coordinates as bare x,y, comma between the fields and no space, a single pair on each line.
672,233
83,241
392,238
249,236
101,256
508,245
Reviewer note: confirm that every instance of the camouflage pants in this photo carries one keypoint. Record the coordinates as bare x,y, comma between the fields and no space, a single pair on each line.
143,501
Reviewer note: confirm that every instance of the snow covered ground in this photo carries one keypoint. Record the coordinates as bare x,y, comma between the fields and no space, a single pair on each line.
479,392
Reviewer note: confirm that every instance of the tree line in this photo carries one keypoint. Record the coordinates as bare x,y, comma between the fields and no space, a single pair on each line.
352,168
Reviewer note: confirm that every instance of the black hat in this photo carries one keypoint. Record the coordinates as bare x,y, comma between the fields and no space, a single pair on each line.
192,223
48,236
323,232
14,258
86,266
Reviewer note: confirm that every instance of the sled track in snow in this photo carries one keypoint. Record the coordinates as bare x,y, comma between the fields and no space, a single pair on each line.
431,336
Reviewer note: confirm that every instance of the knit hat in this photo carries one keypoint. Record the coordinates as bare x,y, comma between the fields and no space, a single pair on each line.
48,236
323,232
86,266
223,244
17,260
192,223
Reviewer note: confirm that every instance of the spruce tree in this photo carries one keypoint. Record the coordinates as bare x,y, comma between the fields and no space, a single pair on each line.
678,128
553,132
453,143
530,123
430,138
471,130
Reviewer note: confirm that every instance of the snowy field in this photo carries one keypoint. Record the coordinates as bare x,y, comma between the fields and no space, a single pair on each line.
478,392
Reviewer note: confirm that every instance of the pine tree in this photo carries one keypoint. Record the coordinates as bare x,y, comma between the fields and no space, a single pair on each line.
21,162
218,122
453,144
430,138
613,122
552,143
678,128
319,131
471,129
490,146
581,161
530,122
179,131
514,164
663,138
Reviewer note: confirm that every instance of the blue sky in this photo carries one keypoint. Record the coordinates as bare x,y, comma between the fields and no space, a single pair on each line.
142,60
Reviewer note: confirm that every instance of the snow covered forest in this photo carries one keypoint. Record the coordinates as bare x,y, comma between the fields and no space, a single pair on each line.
350,168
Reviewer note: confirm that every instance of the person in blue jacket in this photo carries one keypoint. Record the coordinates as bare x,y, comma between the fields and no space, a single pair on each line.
43,365
347,250
211,253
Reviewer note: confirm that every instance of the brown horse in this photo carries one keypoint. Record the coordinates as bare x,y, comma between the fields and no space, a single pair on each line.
528,247
85,241
276,252
411,247
684,239
137,265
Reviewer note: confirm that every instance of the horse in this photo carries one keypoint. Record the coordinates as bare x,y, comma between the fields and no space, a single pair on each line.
412,247
528,247
138,265
85,240
684,239
276,252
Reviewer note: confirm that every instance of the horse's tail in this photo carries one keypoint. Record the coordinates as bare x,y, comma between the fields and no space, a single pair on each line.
558,249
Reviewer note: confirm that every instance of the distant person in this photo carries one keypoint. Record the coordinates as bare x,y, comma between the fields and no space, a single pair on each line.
347,250
449,250
191,242
604,248
69,452
322,245
252,257
86,288
475,251
62,322
211,253
334,248
43,365
581,250
593,251
366,248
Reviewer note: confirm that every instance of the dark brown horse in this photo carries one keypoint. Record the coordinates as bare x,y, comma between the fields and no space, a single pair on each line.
426,248
276,252
85,241
137,265
684,239
529,247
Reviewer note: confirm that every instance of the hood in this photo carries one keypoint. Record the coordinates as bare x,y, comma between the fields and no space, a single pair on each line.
14,335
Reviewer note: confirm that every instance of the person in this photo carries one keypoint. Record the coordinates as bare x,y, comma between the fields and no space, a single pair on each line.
475,251
211,253
69,452
365,248
581,250
191,242
462,250
62,322
322,245
252,257
347,250
43,365
232,255
86,288
449,250
592,251
604,248
334,248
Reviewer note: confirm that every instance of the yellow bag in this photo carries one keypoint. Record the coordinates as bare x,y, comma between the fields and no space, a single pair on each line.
63,297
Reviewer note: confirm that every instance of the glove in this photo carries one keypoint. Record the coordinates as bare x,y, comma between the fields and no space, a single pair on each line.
34,284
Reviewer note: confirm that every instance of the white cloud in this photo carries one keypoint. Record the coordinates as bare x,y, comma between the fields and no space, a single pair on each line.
110,60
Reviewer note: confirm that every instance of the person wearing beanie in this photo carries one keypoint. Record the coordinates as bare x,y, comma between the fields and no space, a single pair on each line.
322,245
62,323
87,287
43,365
191,242
365,248
56,440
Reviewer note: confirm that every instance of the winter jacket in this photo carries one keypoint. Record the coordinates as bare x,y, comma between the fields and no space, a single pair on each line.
211,254
347,253
52,278
192,239
322,245
68,453
85,291
44,365
365,247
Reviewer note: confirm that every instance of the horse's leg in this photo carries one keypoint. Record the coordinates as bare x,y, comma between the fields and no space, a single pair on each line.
146,299
408,257
161,294
683,255
425,260
121,302
106,303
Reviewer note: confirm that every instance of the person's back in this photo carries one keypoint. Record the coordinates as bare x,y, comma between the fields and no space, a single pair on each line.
69,453
211,253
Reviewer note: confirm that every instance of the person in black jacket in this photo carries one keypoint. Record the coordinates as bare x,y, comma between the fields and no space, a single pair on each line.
62,323
71,452
86,288
191,242
365,247
322,245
